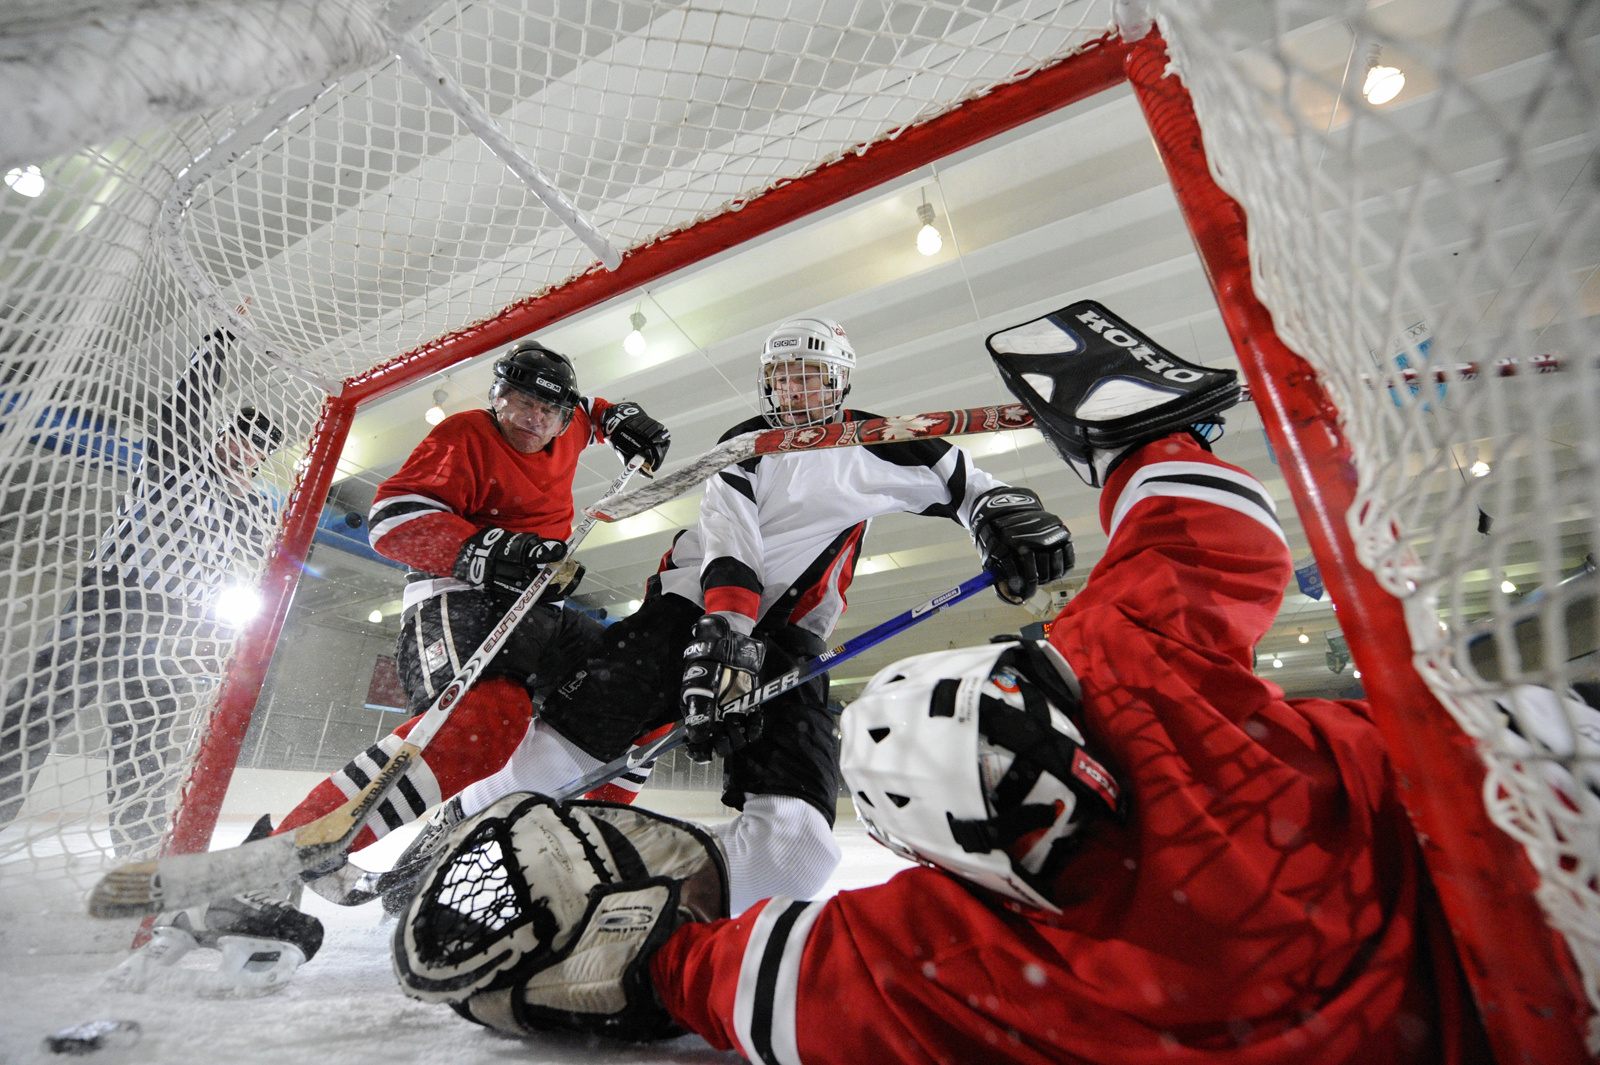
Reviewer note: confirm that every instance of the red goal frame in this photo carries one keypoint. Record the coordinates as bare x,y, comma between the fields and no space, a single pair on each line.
1521,972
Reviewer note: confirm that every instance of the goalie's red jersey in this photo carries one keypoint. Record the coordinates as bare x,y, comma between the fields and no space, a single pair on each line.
1265,902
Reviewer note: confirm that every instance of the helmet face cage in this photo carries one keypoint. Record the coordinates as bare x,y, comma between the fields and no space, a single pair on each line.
805,373
799,392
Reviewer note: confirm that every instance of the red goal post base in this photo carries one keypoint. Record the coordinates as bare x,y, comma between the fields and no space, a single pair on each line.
1521,972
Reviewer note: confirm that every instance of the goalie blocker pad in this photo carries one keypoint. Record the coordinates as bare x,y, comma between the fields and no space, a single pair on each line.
1097,387
543,915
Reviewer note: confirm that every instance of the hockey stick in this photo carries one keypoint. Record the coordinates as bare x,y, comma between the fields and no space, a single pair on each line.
142,888
350,885
898,428
889,430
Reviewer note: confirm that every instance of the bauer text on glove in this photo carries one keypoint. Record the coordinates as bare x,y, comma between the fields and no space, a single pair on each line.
720,669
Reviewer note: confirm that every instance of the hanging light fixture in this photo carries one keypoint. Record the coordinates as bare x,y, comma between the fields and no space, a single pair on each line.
375,617
1303,638
1277,663
634,343
435,414
929,239
1383,83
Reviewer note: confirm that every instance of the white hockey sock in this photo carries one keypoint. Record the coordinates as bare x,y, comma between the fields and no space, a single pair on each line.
543,762
779,845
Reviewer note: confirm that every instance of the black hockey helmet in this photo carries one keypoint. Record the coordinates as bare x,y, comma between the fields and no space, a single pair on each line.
535,370
254,426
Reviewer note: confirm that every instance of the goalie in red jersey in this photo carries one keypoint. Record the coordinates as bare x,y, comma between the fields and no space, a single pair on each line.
1134,849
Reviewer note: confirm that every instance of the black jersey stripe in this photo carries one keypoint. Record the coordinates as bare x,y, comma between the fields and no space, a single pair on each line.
761,1011
1221,484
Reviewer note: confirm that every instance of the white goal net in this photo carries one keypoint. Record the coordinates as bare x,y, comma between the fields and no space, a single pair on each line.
1436,257
1433,254
339,221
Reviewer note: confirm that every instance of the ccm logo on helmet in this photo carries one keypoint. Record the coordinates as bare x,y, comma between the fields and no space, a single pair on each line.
1140,351
787,343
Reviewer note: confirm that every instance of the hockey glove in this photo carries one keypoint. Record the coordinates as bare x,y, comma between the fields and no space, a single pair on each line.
720,668
633,432
1023,544
505,561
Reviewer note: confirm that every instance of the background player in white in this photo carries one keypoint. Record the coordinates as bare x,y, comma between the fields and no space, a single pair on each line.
1263,902
756,589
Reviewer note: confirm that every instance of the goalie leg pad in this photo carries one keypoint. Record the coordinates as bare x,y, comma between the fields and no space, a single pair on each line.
1098,388
543,915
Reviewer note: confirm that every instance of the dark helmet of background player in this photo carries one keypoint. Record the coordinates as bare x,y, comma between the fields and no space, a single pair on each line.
535,370
254,425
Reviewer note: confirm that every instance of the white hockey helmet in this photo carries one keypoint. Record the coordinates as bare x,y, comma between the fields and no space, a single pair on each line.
970,760
805,372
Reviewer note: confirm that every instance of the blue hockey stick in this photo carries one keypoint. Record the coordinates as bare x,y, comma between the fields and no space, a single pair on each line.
648,753
352,885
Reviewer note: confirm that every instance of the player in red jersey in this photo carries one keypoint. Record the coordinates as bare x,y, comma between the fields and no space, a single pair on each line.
1138,850
480,507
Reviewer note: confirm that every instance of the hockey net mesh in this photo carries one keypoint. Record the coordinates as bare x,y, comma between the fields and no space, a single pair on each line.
363,225
1435,258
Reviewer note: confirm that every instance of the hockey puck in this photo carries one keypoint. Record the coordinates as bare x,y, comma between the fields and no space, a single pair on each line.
95,1035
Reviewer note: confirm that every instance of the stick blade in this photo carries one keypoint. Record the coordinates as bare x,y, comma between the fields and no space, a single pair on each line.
670,486
143,889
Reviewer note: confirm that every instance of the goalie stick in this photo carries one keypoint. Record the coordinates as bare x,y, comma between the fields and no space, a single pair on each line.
143,888
351,885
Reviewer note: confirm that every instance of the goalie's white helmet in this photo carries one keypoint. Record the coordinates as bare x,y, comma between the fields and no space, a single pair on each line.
970,760
805,372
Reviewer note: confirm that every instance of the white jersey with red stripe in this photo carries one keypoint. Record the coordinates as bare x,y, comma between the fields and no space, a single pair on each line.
779,535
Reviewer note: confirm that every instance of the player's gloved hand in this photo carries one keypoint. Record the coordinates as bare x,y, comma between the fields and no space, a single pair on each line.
1023,544
505,561
720,668
633,432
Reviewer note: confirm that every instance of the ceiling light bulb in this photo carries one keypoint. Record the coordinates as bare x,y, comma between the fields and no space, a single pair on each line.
1479,469
1383,84
634,344
929,240
1277,663
1507,587
1357,674
634,604
25,180
375,617
1303,638
435,414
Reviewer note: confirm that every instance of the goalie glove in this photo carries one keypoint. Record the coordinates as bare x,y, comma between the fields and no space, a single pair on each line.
543,915
498,560
633,432
720,669
1023,544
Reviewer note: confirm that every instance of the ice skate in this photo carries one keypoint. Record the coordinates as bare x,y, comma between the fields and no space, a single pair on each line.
1098,388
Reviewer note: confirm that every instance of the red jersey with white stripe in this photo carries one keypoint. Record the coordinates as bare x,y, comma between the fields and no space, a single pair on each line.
779,535
1263,904
465,476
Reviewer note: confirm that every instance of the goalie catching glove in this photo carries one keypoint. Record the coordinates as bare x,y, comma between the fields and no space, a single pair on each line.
1023,544
720,670
504,561
633,433
543,915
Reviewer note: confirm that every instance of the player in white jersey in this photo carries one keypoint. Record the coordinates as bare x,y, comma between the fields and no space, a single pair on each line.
754,591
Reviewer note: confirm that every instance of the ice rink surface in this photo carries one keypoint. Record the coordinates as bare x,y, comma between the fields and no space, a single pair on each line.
342,1007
